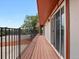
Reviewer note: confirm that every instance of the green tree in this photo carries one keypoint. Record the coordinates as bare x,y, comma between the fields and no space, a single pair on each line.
30,23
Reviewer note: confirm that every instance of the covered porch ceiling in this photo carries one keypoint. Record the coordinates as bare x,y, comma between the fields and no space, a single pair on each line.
45,8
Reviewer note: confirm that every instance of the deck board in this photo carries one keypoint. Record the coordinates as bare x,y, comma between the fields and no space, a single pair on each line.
39,49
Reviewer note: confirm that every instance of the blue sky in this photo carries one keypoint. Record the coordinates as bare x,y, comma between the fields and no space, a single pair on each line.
12,12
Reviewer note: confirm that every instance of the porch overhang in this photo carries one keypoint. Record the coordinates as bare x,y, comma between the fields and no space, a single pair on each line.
45,8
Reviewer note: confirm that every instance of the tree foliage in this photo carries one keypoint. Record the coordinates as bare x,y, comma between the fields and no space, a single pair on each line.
30,23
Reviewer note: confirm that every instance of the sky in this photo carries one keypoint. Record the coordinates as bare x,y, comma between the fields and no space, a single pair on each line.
13,12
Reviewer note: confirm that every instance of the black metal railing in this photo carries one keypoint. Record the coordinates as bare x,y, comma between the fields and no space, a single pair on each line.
10,40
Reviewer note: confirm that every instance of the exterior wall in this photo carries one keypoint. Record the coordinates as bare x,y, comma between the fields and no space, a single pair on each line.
74,29
47,31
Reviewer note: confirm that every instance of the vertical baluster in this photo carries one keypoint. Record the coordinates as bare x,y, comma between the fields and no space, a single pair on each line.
19,37
17,42
5,43
1,43
9,42
14,43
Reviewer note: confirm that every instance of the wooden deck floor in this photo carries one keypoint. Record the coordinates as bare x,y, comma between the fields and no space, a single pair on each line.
39,49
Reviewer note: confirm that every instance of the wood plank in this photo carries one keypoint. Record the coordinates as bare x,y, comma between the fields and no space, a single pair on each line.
39,49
